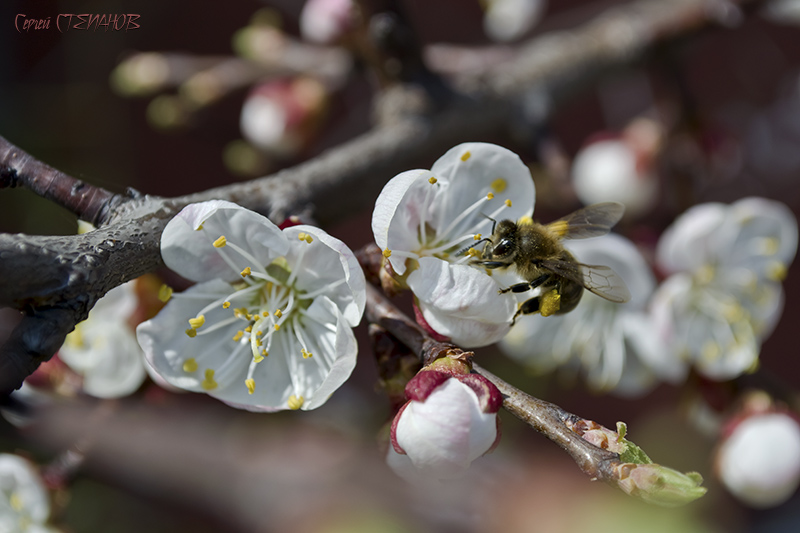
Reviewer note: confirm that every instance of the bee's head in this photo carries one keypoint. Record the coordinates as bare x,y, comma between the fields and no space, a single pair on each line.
504,241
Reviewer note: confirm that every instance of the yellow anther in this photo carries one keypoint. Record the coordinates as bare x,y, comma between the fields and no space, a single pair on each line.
165,293
466,155
432,180
295,402
264,352
278,313
306,354
251,385
249,328
238,336
525,220
277,327
472,252
190,365
191,332
301,236
490,196
198,228
771,246
309,239
387,252
257,358
258,342
499,185
248,316
559,227
508,203
259,333
776,271
75,339
209,383
197,322
549,303
222,241
733,312
15,501
246,272
226,305
265,314
478,236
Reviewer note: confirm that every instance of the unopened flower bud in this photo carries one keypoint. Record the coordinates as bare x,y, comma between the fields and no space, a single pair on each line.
759,460
659,484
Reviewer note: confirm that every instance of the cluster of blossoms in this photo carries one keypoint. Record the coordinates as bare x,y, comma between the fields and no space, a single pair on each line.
269,324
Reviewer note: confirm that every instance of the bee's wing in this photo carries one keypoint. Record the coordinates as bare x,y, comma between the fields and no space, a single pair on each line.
598,279
591,221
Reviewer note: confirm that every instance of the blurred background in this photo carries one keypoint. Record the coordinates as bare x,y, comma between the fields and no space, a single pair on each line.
726,104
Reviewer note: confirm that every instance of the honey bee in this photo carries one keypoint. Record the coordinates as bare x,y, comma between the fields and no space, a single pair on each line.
537,255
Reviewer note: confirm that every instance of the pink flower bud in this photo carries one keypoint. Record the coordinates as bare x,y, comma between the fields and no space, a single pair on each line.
450,421
759,460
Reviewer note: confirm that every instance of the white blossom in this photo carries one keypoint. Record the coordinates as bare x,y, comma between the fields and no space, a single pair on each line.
423,218
103,348
269,325
508,20
724,295
611,344
325,21
759,461
24,503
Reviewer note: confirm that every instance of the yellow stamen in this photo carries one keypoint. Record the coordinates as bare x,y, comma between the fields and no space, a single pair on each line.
308,239
499,185
209,383
265,314
165,293
246,272
190,365
198,228
197,322
222,241
559,227
258,342
490,196
771,246
705,274
15,501
387,252
295,402
251,385
257,358
466,155
525,220
191,332
508,203
777,271
259,333
75,339
278,313
306,354
277,327
301,236
472,252
238,336
710,351
478,236
432,180
550,303
249,328
226,305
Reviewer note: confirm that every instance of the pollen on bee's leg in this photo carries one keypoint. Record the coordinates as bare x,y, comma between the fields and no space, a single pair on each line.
549,303
209,383
295,402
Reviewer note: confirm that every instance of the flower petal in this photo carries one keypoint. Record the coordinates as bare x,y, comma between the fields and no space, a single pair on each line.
167,348
461,302
398,213
325,262
190,252
692,241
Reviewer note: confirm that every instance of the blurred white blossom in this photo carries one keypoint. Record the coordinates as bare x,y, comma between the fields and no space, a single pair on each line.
724,296
610,344
103,349
508,20
759,459
325,21
269,325
422,218
24,502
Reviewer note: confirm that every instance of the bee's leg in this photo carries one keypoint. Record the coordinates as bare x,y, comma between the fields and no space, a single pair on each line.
526,308
489,264
527,285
